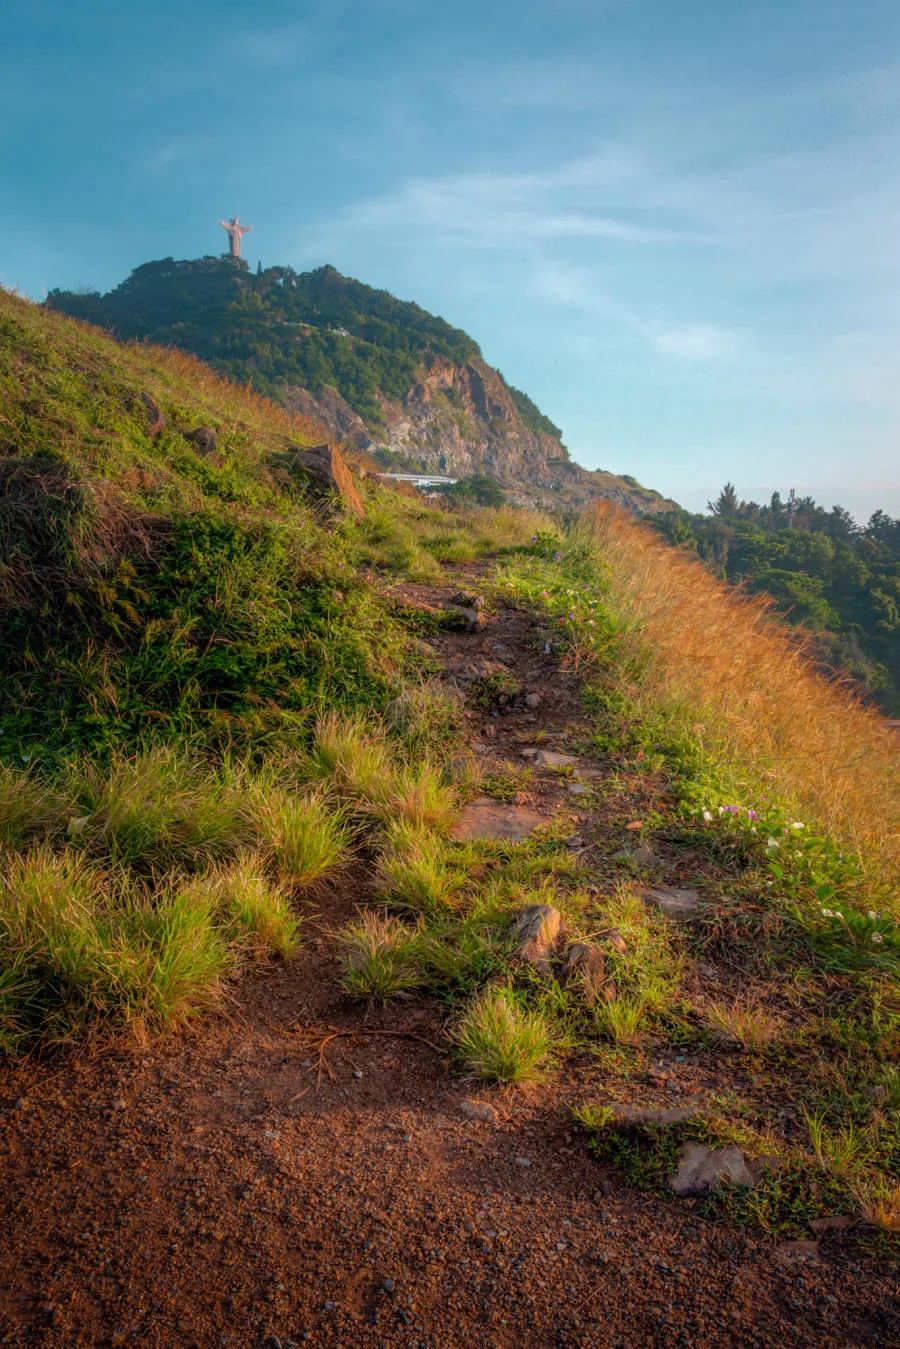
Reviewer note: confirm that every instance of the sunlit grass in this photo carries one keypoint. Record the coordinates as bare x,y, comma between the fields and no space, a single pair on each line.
499,1040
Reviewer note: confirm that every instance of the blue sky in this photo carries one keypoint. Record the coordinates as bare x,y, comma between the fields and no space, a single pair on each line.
674,223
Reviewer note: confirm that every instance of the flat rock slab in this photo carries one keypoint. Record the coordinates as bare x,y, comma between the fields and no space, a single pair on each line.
485,818
674,903
548,758
642,856
701,1168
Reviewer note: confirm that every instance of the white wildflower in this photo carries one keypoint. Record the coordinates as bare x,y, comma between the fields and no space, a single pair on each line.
827,913
873,915
877,937
772,843
797,825
707,815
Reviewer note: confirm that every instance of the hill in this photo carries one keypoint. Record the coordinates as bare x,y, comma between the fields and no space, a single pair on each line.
402,914
377,372
838,580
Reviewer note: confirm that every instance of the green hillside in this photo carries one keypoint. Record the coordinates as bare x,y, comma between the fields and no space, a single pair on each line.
286,329
839,580
150,588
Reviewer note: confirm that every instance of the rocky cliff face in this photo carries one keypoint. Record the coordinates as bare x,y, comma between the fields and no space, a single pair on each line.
378,374
461,420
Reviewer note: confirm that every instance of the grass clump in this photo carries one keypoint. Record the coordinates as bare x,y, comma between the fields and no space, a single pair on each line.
499,1040
82,947
351,755
156,809
744,1022
88,948
415,869
255,914
418,795
29,809
426,717
306,836
380,958
643,968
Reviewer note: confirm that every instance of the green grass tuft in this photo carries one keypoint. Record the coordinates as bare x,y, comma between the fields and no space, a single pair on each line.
380,958
156,809
499,1040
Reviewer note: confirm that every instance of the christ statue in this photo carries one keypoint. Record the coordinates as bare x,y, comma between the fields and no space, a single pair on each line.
235,230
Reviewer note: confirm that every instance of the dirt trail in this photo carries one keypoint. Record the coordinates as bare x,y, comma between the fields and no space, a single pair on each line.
217,1190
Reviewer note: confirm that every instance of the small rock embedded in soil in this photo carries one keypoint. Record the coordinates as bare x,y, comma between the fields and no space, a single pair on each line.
480,1110
538,930
521,1161
700,1168
547,758
532,700
838,1223
798,1250
674,903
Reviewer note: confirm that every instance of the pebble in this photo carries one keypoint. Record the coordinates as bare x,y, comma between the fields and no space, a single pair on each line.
357,1073
521,1161
388,1285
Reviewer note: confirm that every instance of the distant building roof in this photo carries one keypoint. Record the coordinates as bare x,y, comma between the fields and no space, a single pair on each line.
421,479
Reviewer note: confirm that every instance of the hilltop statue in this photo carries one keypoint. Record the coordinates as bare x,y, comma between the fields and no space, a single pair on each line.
235,229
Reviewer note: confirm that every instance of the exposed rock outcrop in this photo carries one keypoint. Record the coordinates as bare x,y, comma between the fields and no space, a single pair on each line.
329,475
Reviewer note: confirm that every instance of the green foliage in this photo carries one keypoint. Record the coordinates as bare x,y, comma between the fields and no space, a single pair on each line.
840,581
28,808
500,1040
479,490
256,914
309,329
379,958
417,870
533,418
306,836
157,809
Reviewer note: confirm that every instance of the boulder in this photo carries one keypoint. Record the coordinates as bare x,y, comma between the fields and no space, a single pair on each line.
538,931
205,438
329,475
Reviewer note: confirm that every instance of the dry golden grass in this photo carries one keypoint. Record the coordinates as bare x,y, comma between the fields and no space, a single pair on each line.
750,691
